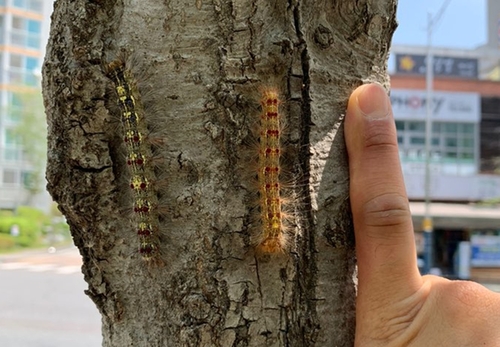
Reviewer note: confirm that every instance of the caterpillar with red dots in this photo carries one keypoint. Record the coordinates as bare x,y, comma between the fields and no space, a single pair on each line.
273,236
138,159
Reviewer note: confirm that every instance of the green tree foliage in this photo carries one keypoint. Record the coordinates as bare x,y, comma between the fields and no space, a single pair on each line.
32,132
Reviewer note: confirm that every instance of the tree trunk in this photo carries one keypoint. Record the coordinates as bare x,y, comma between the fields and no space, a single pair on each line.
201,67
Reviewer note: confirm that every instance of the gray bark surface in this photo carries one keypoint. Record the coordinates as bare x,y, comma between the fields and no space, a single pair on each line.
200,66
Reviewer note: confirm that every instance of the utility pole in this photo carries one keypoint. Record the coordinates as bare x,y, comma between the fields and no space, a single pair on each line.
427,222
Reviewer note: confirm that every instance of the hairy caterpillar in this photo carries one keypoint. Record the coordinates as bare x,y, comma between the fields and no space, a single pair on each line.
139,154
272,238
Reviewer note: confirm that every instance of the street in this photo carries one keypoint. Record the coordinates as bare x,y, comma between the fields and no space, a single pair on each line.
42,303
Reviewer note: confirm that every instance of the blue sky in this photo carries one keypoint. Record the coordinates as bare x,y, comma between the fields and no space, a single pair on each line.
463,24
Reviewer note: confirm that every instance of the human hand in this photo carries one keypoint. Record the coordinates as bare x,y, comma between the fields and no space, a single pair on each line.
396,306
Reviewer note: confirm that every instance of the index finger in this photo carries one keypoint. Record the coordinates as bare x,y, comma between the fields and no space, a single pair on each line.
385,245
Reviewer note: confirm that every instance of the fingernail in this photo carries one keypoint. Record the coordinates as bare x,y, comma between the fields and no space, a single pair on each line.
373,101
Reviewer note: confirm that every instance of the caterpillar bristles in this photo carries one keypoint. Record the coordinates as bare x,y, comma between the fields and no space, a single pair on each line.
273,231
140,157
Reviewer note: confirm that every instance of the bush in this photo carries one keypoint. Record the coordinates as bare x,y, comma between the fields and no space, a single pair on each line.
28,220
6,242
6,222
29,230
34,226
32,214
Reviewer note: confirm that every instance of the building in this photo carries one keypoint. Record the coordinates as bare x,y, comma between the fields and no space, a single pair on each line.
24,28
465,145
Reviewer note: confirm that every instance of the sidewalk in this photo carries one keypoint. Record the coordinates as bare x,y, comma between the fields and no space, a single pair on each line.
67,254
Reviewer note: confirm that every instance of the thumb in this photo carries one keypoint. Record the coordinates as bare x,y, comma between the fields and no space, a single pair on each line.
385,245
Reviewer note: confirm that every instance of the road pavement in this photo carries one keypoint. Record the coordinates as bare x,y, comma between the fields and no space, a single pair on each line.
42,303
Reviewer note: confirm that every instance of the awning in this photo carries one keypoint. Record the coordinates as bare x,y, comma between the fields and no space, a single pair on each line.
457,216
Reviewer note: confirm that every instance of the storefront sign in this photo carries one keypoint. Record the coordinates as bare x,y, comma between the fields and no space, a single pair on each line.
445,106
485,251
415,64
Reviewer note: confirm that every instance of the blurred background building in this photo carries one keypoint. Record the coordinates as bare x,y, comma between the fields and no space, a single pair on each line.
465,146
24,28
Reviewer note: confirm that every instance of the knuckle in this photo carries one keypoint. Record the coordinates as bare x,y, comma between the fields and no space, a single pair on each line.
386,210
378,134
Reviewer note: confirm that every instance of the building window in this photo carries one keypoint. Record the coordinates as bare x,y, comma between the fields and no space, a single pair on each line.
15,100
34,26
452,144
26,32
11,146
11,138
16,61
28,178
12,154
22,70
18,105
31,5
18,23
35,6
10,177
31,64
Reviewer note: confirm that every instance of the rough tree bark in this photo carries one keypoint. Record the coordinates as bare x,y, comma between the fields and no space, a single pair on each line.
201,64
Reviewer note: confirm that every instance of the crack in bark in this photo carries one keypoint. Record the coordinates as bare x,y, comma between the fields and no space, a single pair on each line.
252,34
259,283
307,275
